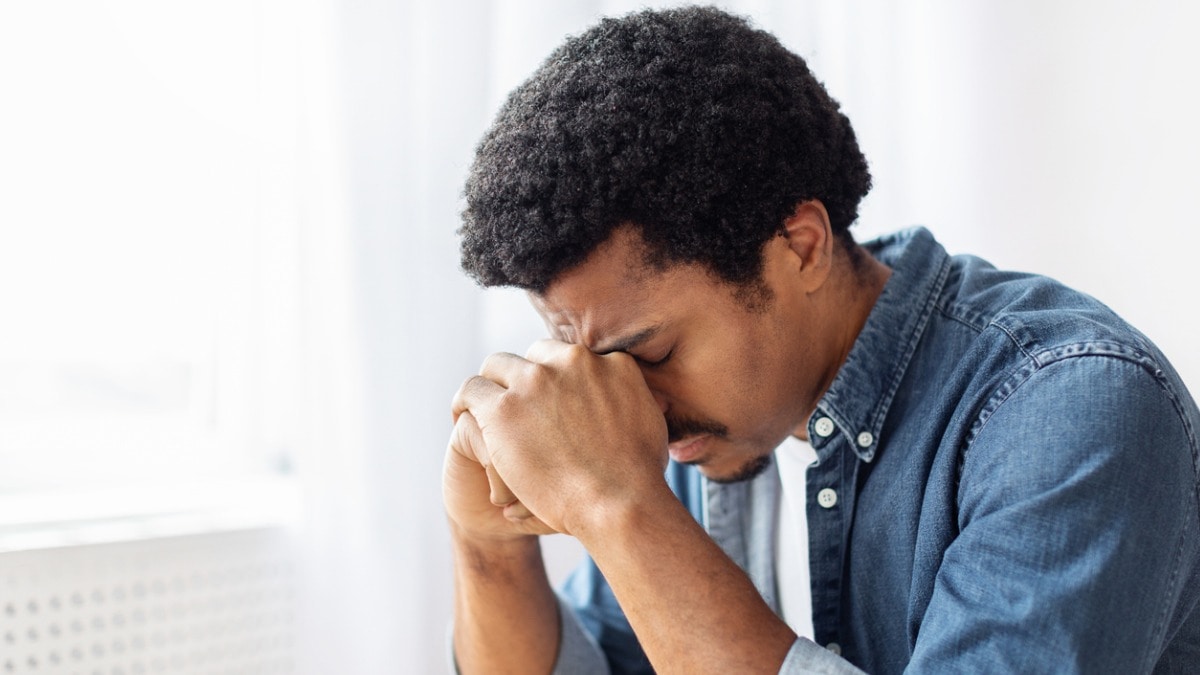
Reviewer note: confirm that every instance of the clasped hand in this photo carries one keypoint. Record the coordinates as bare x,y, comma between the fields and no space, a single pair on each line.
542,443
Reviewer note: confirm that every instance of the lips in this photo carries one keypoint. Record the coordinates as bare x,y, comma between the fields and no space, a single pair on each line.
687,450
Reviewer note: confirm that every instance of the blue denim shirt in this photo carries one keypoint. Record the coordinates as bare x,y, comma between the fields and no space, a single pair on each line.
1015,477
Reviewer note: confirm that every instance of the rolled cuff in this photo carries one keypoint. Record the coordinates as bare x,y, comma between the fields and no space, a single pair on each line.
808,658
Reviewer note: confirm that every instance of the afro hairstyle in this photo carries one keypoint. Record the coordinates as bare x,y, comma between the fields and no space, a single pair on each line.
688,124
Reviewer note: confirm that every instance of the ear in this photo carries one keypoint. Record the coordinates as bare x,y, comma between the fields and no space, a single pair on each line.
810,238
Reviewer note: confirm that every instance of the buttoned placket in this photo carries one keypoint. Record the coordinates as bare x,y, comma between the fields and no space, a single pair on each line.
831,485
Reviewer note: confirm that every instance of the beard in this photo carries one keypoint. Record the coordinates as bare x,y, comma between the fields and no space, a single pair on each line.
680,428
750,470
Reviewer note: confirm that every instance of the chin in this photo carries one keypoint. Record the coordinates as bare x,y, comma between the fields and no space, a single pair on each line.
747,471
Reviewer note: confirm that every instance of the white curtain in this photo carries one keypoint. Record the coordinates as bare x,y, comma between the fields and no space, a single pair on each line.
1054,137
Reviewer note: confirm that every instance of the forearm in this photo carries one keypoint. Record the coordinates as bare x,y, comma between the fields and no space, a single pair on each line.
693,609
506,614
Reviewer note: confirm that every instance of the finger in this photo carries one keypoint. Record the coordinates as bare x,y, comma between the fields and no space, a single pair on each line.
478,394
467,439
545,350
532,525
500,494
517,511
503,368
517,514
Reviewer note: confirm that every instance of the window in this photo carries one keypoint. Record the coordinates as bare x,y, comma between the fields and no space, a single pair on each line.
150,253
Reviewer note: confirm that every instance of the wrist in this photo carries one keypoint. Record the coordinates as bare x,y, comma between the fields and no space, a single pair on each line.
496,545
499,566
614,517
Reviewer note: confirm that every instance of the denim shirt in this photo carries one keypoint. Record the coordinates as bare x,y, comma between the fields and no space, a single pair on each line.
1006,482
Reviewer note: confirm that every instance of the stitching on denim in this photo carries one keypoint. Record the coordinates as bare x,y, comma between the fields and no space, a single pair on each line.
1062,353
1160,377
1141,359
915,335
1135,355
959,314
1160,628
1002,393
959,320
1097,349
1011,336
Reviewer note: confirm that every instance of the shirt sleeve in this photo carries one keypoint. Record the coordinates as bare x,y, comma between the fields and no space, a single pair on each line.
1078,526
808,658
578,652
590,608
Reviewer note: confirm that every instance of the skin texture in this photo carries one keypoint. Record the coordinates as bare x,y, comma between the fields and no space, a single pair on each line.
574,438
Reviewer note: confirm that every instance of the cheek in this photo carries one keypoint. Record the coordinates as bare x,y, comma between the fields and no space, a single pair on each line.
729,385
760,379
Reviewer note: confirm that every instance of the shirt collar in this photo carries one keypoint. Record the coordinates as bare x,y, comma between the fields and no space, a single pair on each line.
857,402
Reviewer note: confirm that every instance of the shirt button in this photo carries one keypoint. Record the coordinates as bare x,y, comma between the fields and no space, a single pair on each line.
865,439
824,427
827,498
835,648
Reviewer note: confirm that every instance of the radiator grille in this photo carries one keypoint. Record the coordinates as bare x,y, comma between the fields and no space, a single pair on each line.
212,604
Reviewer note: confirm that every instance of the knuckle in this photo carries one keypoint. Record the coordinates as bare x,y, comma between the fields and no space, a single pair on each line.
577,354
467,385
538,374
506,405
489,362
538,348
456,401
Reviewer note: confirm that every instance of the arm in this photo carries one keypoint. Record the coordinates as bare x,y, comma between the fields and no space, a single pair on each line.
506,616
592,600
691,607
1079,525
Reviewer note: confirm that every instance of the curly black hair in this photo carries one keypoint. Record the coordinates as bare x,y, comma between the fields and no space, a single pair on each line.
689,124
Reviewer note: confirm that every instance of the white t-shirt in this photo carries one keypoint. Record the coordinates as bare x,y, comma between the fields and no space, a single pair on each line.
793,458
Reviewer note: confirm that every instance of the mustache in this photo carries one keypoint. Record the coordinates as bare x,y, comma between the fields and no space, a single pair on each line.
679,428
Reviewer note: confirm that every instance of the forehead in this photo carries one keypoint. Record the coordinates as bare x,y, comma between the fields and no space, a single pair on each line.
614,293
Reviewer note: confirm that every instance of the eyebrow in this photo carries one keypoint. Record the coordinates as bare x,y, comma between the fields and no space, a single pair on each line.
630,342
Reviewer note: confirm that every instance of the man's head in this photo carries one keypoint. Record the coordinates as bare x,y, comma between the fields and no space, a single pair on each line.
731,381
676,185
700,131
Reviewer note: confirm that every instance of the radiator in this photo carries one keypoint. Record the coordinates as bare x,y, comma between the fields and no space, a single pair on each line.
214,603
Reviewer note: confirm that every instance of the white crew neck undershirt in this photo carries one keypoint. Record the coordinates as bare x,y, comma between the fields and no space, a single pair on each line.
793,457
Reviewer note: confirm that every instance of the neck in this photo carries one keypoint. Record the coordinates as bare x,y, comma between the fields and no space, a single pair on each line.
857,285
863,282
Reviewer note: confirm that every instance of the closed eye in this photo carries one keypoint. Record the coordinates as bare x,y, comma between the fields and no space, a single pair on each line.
654,364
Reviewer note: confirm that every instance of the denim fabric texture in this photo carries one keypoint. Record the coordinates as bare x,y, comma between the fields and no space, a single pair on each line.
1015,473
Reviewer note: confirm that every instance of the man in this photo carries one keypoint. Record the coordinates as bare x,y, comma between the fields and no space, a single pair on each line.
975,470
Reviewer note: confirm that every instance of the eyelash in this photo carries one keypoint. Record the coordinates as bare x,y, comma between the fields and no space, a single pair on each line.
659,362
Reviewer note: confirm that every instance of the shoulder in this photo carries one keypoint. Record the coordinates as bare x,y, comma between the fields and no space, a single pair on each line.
1089,424
1057,379
1021,324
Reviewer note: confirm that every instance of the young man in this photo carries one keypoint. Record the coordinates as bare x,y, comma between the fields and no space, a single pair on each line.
974,470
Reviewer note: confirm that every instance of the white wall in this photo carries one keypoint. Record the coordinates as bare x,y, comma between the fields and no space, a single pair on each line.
1054,137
